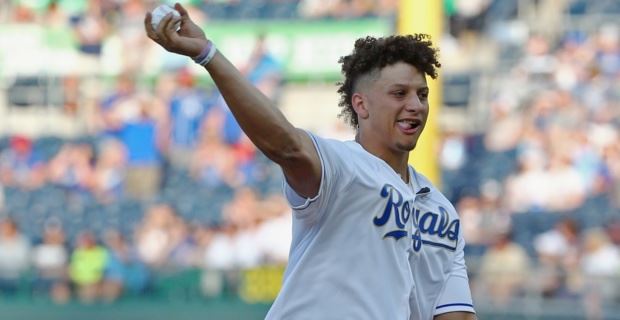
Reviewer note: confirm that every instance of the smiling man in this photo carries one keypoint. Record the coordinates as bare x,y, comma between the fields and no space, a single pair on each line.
359,229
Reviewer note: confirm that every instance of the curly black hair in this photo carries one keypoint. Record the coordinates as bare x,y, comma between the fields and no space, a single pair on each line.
371,54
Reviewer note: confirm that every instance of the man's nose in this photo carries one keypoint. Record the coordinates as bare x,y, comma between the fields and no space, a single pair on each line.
414,104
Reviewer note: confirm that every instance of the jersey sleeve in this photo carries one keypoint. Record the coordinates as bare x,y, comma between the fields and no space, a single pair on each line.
334,175
455,294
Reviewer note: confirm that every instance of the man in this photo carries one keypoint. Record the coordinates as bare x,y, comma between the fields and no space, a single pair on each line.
354,202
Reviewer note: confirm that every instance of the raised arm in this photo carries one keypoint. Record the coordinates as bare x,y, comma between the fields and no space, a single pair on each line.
263,123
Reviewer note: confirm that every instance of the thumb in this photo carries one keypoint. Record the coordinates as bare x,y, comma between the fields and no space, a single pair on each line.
178,7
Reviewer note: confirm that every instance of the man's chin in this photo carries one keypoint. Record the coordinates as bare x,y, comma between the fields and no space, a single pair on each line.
406,147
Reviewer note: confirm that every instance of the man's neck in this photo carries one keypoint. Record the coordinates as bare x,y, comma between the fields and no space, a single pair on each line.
399,161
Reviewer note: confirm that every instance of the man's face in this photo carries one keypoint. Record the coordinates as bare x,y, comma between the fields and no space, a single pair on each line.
397,107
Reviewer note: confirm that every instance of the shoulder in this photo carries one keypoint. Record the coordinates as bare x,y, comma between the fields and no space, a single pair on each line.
333,148
326,141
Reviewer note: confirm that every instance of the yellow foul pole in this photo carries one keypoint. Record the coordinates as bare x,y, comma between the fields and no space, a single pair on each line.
425,16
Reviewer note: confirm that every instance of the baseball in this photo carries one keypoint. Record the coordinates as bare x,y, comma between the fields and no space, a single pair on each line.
160,12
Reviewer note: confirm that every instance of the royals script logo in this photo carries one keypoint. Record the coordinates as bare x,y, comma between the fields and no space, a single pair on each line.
435,229
395,206
432,227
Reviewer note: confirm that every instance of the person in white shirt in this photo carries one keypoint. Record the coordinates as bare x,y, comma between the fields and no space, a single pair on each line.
357,238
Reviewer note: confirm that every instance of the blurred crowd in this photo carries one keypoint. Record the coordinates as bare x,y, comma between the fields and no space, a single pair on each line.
103,267
112,10
103,214
100,216
539,190
115,208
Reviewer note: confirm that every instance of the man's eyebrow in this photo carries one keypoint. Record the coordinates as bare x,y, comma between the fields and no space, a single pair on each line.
406,85
399,85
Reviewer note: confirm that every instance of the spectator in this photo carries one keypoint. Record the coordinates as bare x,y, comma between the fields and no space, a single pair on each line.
467,16
274,230
188,108
566,187
242,210
21,165
215,163
526,190
142,137
86,267
109,172
557,253
90,31
470,213
14,257
50,261
219,260
124,272
24,12
154,238
55,17
263,70
185,253
600,262
72,168
116,108
129,27
505,128
600,265
503,270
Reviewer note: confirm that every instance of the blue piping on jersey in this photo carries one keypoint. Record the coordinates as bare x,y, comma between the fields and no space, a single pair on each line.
432,243
437,244
396,234
455,305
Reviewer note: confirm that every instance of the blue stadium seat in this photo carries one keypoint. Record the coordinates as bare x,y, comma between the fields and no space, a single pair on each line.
578,7
218,10
457,89
280,10
249,10
4,142
545,221
497,165
48,147
524,229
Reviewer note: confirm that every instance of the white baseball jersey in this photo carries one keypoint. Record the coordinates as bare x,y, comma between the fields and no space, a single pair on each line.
439,273
349,256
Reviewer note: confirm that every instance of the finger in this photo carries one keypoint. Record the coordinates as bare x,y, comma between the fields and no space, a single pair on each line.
170,28
185,19
178,7
162,27
148,27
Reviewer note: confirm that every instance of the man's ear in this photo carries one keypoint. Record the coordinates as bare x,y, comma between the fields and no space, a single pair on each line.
359,105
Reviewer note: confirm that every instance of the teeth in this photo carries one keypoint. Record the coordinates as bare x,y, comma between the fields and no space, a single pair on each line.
406,124
409,123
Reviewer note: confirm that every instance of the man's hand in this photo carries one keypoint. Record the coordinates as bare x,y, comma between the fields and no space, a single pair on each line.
188,41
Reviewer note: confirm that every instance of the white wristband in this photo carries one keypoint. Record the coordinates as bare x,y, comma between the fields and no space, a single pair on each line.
203,62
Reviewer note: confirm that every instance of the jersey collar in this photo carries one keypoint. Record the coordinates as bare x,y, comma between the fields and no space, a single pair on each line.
414,181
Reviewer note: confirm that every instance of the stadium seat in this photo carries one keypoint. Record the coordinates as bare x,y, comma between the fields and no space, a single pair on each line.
457,89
